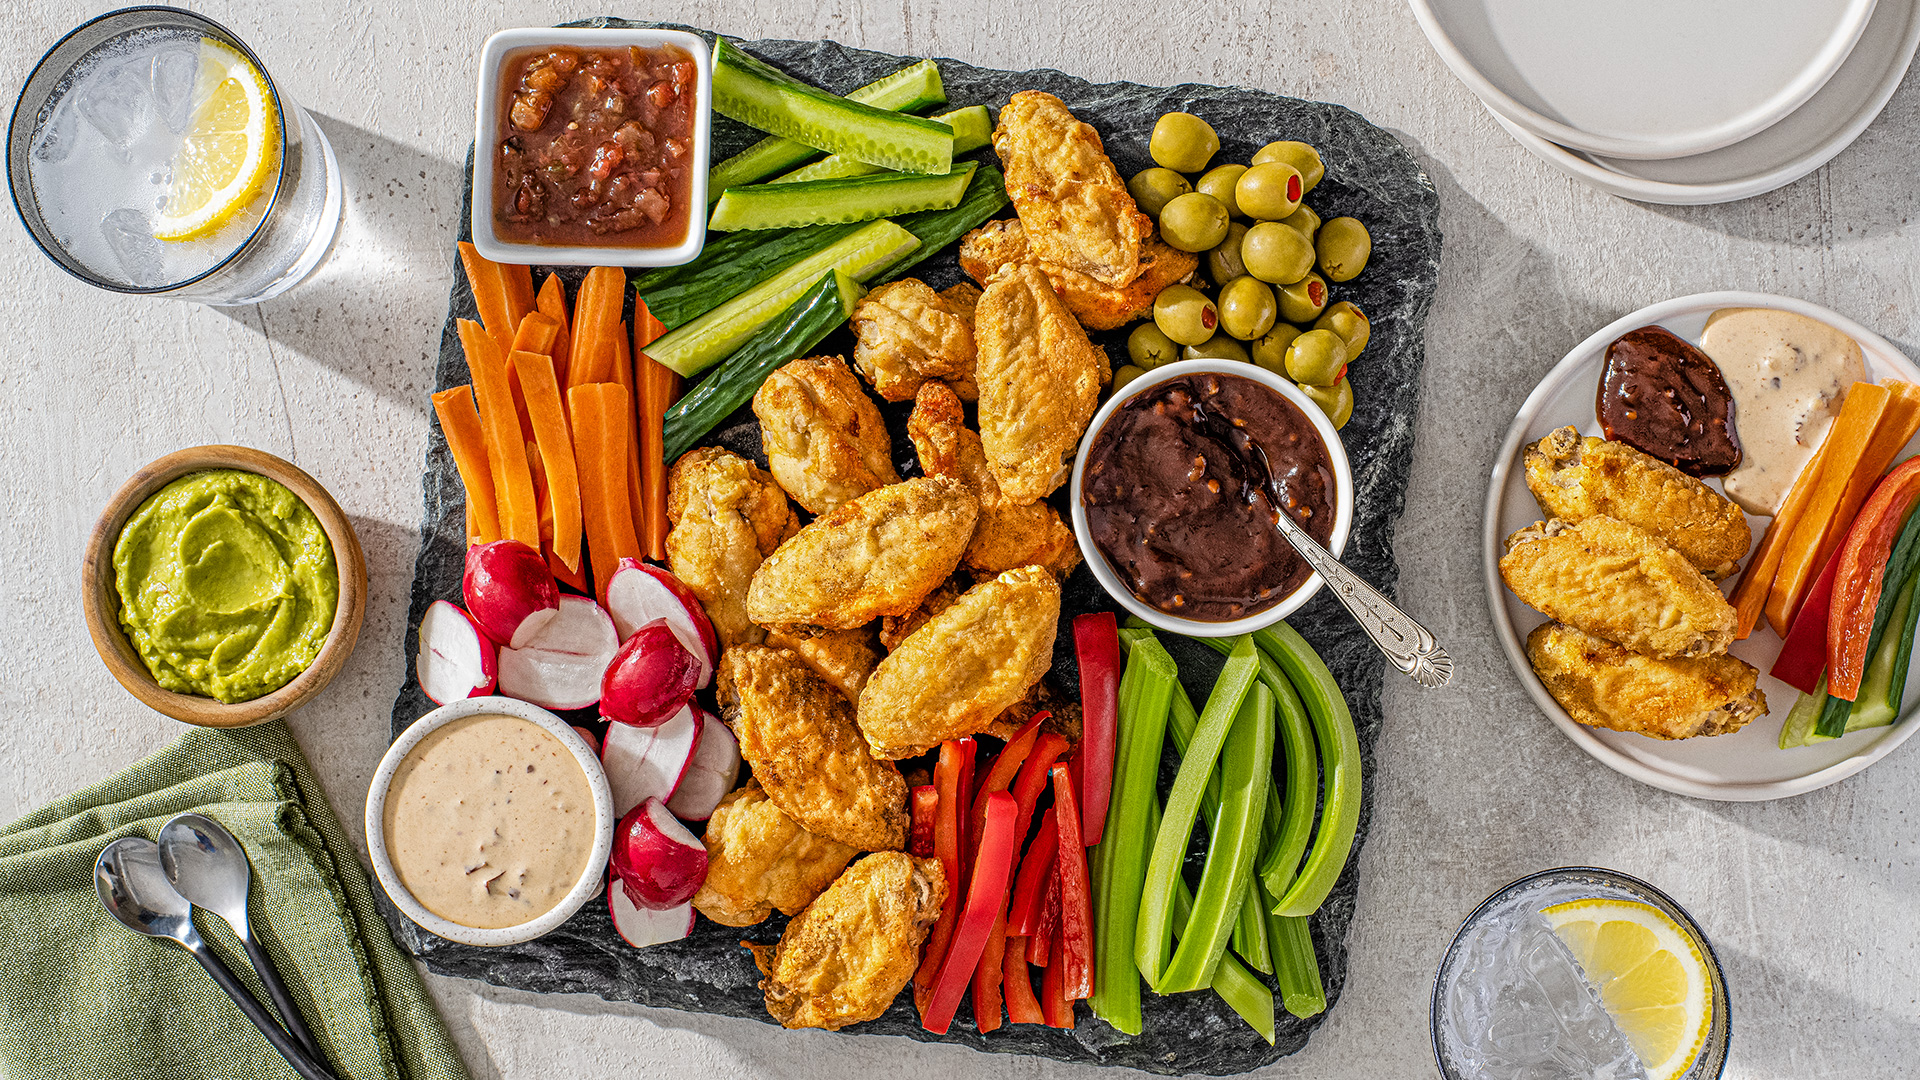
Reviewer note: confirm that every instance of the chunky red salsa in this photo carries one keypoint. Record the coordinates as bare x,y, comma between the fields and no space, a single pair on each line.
595,147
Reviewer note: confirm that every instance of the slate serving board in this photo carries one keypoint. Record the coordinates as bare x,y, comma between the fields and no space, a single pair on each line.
1369,176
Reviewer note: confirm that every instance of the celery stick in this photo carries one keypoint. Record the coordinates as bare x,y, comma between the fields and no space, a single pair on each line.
912,87
1243,992
1339,761
1250,933
1295,967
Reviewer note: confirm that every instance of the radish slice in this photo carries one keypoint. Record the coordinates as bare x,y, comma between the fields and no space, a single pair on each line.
639,927
656,858
637,594
456,660
648,763
712,773
650,678
562,667
510,591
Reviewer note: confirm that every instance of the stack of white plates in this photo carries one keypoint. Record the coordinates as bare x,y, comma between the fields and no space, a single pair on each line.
1679,101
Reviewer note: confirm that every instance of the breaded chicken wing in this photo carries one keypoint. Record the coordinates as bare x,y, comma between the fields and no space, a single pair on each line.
1039,382
1073,202
759,859
727,516
824,438
1603,685
842,657
798,733
846,957
1007,534
906,333
880,554
1575,479
1620,583
895,629
958,673
1097,305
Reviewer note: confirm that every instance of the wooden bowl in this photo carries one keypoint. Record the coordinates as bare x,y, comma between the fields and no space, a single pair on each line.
101,600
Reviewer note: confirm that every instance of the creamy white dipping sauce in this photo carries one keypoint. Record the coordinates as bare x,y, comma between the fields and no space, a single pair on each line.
1789,375
489,821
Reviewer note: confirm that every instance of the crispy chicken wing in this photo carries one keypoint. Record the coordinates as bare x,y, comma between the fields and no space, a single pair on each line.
1603,685
727,516
1007,534
759,859
1073,202
906,333
958,673
880,554
1575,479
825,441
846,957
895,629
1097,305
1620,583
842,657
798,733
1039,382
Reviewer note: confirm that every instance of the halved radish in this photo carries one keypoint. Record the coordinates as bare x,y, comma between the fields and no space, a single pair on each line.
456,660
640,927
650,678
648,763
713,772
659,861
638,593
510,591
562,667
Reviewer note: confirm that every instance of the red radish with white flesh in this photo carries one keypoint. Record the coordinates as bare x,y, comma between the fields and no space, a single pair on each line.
650,678
656,858
648,763
510,591
713,772
456,660
640,927
562,667
638,593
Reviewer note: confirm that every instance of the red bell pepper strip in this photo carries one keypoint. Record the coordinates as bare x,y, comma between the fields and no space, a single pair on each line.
986,976
1861,576
1033,777
986,899
1000,775
1076,899
946,846
1803,657
1040,944
1054,1002
926,806
1022,1006
1030,888
1096,644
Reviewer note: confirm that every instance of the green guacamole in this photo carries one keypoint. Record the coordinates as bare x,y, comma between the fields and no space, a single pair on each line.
227,584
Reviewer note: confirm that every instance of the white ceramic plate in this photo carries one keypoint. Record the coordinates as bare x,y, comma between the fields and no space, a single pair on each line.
1747,765
1812,136
1644,78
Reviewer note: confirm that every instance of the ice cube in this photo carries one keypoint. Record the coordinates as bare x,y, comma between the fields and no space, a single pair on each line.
175,71
1524,1027
117,99
131,240
54,141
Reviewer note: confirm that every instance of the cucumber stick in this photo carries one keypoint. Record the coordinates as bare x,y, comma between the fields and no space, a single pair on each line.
1878,702
914,87
826,202
705,341
759,94
972,129
985,195
729,265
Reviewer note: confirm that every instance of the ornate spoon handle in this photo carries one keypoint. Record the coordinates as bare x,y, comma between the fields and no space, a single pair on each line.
1411,646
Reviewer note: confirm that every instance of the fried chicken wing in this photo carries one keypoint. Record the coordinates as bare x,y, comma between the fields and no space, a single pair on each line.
846,957
1575,479
727,516
958,673
895,629
1603,685
759,859
880,554
1039,382
799,735
1620,583
1073,202
1007,534
906,333
842,657
825,441
1097,305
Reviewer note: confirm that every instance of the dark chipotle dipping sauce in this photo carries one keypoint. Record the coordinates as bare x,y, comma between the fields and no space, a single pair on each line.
1667,399
594,147
1180,491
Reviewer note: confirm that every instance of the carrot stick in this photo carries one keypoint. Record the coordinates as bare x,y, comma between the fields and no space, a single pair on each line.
552,302
517,279
658,386
506,452
555,441
536,334
542,502
596,314
596,366
460,423
599,445
623,374
496,294
1848,441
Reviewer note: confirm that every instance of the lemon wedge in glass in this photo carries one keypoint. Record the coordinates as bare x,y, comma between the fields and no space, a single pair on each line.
228,154
1650,975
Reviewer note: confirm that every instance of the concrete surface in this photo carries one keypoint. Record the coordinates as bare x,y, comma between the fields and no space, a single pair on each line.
1812,902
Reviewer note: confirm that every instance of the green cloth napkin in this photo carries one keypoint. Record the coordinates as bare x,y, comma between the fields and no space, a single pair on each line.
83,996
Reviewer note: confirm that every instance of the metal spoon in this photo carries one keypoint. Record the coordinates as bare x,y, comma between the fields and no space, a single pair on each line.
133,888
205,864
1410,646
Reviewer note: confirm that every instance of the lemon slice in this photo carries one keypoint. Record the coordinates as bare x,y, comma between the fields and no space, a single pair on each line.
229,153
1651,977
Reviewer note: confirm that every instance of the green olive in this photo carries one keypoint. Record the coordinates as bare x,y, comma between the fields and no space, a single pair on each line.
1247,307
1343,246
1275,253
1347,320
1304,300
1217,347
1305,160
1270,352
1193,222
1336,401
1269,192
1184,314
1154,188
1316,357
1125,374
1219,182
1223,262
1183,142
1149,347
1305,220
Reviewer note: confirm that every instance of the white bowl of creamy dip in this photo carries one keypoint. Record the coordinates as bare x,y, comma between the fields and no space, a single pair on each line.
489,821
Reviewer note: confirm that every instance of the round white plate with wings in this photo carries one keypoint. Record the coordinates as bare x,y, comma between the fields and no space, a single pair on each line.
1747,765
